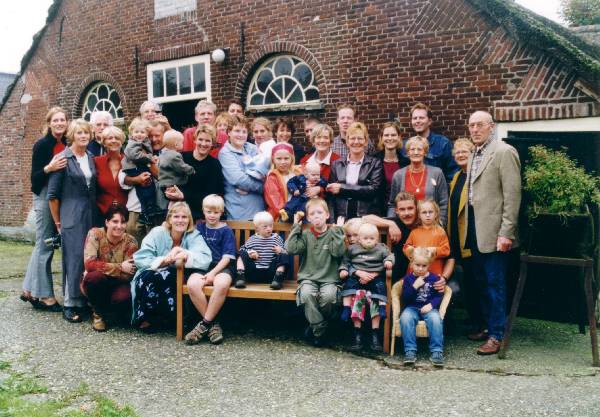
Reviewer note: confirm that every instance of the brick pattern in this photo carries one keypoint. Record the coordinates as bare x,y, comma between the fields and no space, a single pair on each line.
165,8
382,56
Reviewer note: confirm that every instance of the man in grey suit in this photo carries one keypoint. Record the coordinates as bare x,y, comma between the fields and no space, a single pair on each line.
494,181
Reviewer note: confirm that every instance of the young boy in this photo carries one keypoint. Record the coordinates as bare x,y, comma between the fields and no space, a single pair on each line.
351,230
361,293
297,185
172,169
320,248
262,256
221,242
137,159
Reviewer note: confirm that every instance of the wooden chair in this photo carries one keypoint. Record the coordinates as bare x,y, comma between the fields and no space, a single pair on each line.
397,309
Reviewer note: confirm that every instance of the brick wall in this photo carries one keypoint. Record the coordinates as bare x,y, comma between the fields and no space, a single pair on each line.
382,56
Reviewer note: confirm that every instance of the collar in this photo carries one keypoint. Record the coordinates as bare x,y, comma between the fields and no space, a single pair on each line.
326,160
484,146
315,232
348,161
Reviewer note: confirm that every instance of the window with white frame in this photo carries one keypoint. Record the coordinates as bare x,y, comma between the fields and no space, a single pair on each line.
102,97
283,82
178,80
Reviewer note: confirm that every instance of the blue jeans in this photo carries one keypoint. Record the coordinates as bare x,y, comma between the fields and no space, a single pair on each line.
435,326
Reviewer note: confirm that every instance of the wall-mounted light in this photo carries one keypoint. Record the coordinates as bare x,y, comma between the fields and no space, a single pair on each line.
219,55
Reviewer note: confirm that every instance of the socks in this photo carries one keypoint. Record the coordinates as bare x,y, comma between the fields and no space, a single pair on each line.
346,312
382,313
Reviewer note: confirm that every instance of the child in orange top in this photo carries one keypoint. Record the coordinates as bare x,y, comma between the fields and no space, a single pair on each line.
430,234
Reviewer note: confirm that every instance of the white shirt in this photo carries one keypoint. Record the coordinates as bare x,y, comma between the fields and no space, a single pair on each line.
84,164
326,160
266,148
353,171
133,203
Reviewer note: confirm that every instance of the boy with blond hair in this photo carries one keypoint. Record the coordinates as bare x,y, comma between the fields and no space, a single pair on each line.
172,169
321,248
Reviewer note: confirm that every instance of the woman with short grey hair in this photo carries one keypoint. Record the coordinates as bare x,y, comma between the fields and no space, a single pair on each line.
100,120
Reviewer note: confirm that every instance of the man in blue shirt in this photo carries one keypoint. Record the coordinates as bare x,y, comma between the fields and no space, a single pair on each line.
440,147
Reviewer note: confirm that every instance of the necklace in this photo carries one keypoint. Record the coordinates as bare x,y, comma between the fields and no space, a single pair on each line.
417,185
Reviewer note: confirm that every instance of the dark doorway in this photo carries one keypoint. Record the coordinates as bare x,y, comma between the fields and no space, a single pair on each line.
180,114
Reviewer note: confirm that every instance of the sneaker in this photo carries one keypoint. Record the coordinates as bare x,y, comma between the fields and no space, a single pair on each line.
240,282
437,359
277,283
197,334
98,323
215,334
410,358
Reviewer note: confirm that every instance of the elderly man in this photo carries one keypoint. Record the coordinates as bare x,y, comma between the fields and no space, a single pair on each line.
494,196
345,117
440,147
205,114
100,120
149,110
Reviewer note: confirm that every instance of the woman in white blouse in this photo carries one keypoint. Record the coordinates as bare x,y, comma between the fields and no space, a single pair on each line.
72,201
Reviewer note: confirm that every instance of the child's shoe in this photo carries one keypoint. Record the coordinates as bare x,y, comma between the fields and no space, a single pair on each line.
382,312
410,358
283,216
375,344
437,359
197,334
277,283
357,344
240,282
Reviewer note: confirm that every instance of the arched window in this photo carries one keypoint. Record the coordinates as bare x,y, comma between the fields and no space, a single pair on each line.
102,96
283,82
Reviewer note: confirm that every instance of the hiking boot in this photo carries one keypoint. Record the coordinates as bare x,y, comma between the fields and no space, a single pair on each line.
197,334
277,283
357,343
98,323
410,358
240,282
437,359
215,334
490,347
375,344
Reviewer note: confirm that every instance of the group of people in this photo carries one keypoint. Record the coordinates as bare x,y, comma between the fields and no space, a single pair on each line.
169,192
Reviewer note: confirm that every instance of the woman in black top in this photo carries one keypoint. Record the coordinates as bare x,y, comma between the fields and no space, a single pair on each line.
37,285
208,178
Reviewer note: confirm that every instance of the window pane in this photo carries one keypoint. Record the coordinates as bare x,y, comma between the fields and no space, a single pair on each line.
102,91
157,84
296,96
289,86
257,99
283,66
199,80
91,102
264,79
312,94
171,74
119,113
271,98
303,74
277,87
114,98
185,80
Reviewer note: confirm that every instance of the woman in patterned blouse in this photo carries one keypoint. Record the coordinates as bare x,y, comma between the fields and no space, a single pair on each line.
108,260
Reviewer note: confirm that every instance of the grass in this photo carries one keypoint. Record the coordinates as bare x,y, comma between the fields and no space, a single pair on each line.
18,393
14,257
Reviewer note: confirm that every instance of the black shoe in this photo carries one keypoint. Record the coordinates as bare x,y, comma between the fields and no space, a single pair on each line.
318,341
71,315
145,220
357,344
375,344
277,283
53,308
240,282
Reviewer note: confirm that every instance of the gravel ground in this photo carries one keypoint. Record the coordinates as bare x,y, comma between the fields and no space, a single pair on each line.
264,371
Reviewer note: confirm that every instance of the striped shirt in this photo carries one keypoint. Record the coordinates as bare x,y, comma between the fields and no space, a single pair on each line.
264,247
475,164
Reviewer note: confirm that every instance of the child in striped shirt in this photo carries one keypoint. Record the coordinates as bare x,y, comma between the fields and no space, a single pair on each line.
262,257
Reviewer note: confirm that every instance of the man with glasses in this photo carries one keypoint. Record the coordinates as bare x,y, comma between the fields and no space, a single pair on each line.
494,196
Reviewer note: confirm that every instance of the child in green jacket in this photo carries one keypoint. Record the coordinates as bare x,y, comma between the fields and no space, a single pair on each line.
321,249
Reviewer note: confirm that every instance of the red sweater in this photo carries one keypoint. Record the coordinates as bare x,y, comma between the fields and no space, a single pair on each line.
108,190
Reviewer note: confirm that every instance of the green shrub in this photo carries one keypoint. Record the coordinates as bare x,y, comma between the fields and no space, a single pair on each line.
556,184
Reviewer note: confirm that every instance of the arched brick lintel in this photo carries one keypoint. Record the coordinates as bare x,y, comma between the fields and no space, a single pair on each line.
275,48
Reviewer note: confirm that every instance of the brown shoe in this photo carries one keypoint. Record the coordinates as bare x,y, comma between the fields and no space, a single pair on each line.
98,323
490,347
478,336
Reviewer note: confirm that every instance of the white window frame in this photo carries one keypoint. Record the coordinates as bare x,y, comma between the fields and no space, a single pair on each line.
95,86
163,65
281,107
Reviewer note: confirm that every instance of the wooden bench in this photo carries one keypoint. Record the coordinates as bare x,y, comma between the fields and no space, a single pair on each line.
243,230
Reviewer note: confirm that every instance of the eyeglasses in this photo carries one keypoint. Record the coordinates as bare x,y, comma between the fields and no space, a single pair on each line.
478,125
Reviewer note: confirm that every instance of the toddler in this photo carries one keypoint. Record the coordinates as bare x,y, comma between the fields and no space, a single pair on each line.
262,256
297,187
351,230
363,271
422,302
137,159
172,169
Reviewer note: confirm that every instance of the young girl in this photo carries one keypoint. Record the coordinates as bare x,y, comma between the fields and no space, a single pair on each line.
282,170
429,234
223,124
422,302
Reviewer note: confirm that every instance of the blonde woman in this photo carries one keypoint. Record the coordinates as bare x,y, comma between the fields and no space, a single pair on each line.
72,201
108,166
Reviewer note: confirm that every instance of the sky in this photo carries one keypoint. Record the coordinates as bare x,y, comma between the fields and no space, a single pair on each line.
21,19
